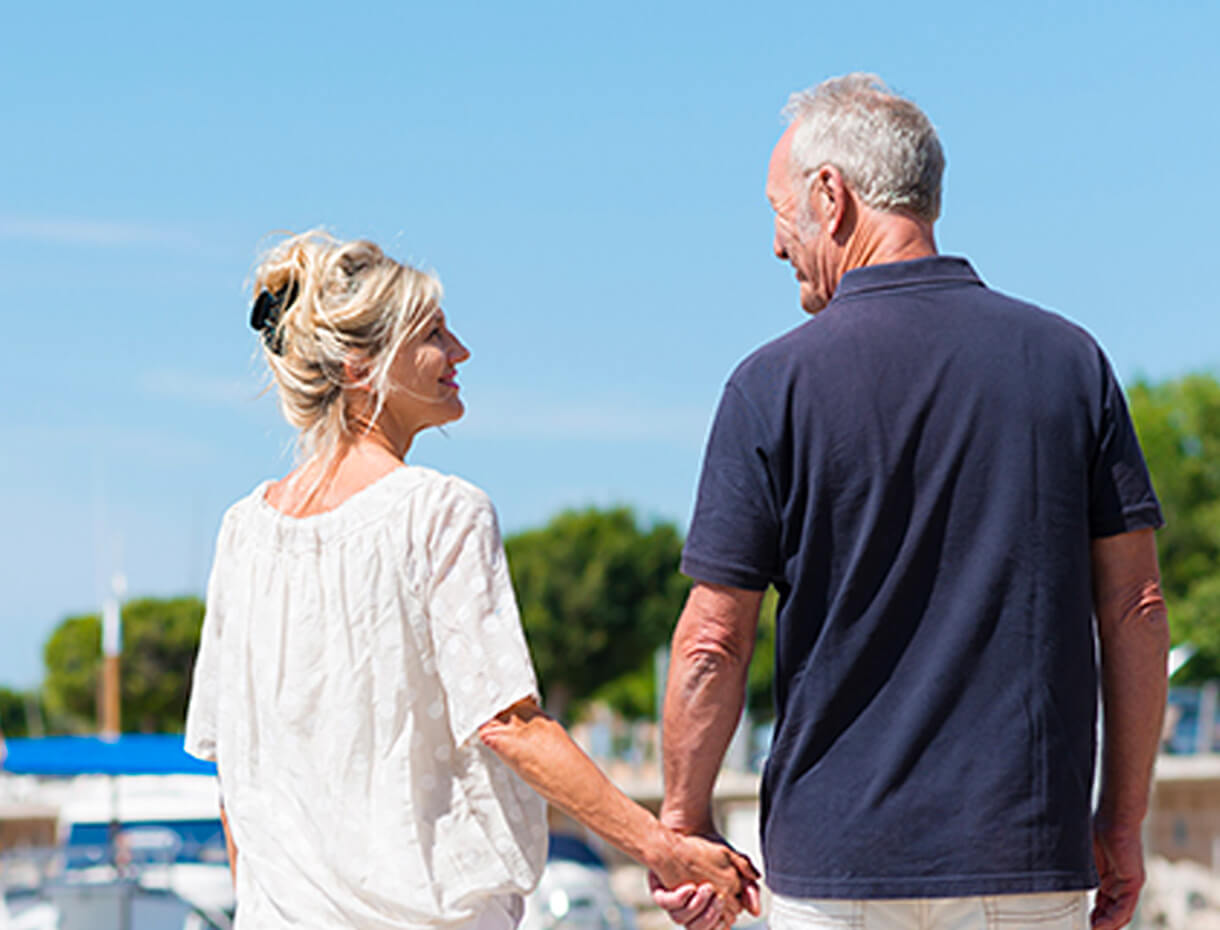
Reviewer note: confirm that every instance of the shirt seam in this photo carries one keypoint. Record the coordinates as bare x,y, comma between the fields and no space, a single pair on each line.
933,880
869,290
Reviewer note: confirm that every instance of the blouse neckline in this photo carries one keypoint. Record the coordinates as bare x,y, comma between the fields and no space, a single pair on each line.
370,502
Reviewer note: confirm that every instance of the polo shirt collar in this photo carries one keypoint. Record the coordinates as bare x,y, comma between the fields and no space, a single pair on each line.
935,269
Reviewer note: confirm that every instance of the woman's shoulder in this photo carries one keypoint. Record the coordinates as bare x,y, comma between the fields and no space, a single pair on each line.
247,505
455,487
450,495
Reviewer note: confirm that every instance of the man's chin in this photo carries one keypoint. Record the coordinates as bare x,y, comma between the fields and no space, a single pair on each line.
811,301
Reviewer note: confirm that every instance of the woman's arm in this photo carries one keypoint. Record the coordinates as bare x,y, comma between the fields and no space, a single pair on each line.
230,846
538,749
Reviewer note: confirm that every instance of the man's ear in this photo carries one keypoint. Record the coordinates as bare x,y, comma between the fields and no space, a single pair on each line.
830,199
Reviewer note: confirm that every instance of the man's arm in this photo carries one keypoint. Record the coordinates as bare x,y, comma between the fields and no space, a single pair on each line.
709,660
1133,630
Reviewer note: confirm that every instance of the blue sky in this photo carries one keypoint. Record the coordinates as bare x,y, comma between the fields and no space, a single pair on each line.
587,180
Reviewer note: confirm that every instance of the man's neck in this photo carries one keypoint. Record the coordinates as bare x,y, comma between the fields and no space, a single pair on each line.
880,238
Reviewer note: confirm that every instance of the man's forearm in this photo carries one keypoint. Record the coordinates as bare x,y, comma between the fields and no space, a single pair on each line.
1133,632
709,662
1134,687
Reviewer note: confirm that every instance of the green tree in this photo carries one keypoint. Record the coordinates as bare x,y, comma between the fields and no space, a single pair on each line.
760,685
160,638
1178,423
16,710
598,595
633,695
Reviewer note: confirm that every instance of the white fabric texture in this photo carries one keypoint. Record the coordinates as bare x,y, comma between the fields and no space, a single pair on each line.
346,662
1059,910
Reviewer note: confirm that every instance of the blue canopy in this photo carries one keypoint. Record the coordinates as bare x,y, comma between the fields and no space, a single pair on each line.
130,754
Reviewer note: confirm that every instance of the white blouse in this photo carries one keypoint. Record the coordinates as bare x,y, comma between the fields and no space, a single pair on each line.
347,660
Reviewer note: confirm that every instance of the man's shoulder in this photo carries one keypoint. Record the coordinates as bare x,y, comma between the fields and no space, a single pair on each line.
1057,343
1035,316
766,360
967,312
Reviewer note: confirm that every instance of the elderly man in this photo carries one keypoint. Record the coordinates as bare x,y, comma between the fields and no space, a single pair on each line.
944,486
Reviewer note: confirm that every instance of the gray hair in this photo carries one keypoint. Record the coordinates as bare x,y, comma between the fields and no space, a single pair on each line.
884,145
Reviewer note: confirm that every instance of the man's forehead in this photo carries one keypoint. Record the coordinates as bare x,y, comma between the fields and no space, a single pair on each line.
779,183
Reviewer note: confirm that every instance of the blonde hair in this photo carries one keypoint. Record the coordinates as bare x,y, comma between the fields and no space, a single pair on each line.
348,308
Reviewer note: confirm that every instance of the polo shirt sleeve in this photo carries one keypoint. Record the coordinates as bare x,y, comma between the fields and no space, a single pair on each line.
1121,497
734,532
482,658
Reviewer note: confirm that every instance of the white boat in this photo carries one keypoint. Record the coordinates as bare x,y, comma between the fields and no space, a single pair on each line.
134,852
147,851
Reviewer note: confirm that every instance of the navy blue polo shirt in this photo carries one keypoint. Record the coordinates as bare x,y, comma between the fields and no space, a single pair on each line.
919,471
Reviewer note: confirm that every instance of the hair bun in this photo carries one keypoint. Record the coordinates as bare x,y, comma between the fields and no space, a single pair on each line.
319,303
354,261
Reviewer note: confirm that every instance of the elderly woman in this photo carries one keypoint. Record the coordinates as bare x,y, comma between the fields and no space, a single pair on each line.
363,682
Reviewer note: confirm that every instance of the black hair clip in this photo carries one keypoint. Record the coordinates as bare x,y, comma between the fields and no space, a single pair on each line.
265,315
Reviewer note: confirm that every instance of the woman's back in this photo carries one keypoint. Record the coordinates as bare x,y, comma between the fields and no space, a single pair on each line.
363,682
348,659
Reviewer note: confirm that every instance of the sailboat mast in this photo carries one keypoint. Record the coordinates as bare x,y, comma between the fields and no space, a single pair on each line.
112,648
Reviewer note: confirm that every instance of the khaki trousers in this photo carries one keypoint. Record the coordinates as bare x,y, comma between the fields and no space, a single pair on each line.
1056,911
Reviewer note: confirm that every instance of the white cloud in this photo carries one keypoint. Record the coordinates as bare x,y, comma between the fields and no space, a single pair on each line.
92,232
205,390
149,445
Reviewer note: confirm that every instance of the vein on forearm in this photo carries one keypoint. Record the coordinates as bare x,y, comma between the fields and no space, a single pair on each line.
710,658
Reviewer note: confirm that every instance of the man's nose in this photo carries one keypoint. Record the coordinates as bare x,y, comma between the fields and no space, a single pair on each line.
778,246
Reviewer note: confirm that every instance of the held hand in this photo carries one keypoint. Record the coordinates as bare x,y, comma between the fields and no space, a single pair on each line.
691,906
727,882
1120,863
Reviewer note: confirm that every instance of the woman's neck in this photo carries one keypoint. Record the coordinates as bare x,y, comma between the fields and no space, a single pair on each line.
320,485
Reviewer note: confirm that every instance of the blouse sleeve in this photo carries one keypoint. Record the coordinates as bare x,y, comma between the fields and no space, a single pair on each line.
481,654
201,712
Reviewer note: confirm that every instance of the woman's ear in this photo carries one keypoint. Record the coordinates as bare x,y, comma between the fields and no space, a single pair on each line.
356,372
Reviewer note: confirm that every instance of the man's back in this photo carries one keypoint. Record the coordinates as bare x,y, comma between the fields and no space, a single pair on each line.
920,471
944,485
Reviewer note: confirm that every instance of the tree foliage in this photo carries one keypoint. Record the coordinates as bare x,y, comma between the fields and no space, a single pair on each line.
1178,423
633,695
760,685
160,638
598,595
16,710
